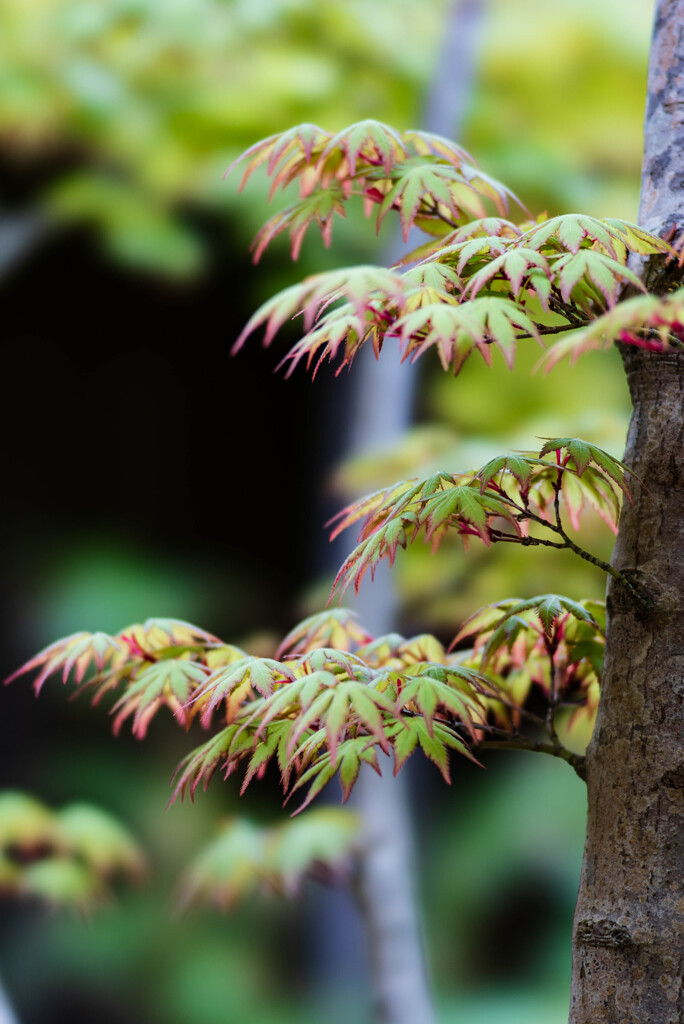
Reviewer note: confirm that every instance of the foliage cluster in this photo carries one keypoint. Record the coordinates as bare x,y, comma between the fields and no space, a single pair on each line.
334,698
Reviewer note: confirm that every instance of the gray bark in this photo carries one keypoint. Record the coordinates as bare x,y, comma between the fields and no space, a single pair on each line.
628,942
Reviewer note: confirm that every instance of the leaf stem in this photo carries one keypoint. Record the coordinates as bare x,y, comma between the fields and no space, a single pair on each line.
557,527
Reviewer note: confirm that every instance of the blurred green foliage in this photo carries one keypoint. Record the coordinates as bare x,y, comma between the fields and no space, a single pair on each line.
65,858
136,107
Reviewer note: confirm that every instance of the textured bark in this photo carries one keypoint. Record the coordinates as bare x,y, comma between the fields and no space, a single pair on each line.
662,181
628,943
628,963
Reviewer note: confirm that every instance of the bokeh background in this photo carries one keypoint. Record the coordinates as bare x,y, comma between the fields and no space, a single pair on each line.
148,473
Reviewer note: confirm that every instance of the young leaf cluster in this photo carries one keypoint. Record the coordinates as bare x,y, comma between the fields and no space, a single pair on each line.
485,281
311,712
514,499
651,322
548,646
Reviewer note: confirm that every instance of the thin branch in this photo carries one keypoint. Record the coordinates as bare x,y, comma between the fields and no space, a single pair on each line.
434,209
511,538
569,544
566,309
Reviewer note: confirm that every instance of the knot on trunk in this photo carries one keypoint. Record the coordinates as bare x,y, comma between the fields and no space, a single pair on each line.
674,779
603,932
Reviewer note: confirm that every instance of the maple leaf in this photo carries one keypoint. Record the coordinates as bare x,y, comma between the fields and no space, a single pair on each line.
336,628
483,228
370,141
571,231
304,143
169,682
424,176
199,765
518,466
410,733
364,287
456,329
547,608
549,642
233,683
429,186
430,689
580,454
443,500
316,207
653,322
395,651
349,757
75,653
517,265
574,271
159,661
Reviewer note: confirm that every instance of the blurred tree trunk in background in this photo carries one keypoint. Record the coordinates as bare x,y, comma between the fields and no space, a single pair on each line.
382,409
7,1015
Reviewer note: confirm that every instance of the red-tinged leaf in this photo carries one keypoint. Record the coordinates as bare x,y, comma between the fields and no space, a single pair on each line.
546,609
156,634
304,140
351,754
200,764
274,313
483,620
341,330
404,743
422,185
369,140
549,610
167,683
337,628
320,774
649,321
426,143
583,453
571,230
572,493
348,772
319,206
514,265
434,748
492,189
261,756
517,465
75,653
366,507
602,496
429,281
260,673
487,227
606,274
639,240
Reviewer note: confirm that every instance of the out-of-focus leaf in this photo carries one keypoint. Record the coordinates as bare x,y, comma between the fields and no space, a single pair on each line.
245,857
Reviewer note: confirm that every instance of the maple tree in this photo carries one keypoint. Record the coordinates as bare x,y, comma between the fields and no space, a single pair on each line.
520,673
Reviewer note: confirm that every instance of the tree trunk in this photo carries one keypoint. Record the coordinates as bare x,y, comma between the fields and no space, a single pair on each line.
628,943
